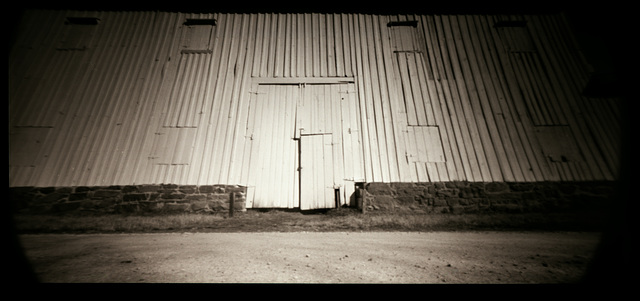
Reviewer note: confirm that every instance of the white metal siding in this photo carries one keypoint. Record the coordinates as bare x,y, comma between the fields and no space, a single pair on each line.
150,100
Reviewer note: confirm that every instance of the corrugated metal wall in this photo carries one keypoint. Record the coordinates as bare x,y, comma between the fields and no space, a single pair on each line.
142,98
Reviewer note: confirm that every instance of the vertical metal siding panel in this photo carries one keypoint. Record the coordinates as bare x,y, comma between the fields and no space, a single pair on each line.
257,111
536,167
338,47
66,144
274,38
239,162
288,43
362,116
156,51
441,110
347,44
269,46
450,100
600,142
471,136
281,44
396,105
159,93
216,115
508,129
606,143
248,138
484,154
123,86
493,144
206,81
368,100
128,114
336,124
27,55
83,126
105,100
230,88
431,91
300,46
566,96
258,45
385,114
237,112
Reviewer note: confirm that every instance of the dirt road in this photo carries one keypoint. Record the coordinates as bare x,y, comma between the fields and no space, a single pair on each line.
312,257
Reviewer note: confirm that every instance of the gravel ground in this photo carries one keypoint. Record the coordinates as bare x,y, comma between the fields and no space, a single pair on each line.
313,257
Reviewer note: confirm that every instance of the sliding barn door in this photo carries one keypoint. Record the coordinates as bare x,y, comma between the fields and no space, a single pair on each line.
305,148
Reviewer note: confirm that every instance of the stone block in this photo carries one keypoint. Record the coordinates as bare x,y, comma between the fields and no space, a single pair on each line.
439,202
78,196
383,202
52,197
149,188
127,208
406,189
66,206
235,189
406,200
456,209
130,189
507,208
446,193
188,189
218,205
66,190
379,189
495,187
200,206
46,190
176,207
134,197
106,193
439,185
456,184
173,196
466,193
169,186
206,189
506,197
196,197
82,189
453,201
218,197
521,186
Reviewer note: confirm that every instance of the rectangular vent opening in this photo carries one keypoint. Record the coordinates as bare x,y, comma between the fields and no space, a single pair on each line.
82,21
510,23
192,22
413,23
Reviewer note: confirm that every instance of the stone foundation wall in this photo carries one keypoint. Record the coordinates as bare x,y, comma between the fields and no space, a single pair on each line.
128,199
444,197
472,197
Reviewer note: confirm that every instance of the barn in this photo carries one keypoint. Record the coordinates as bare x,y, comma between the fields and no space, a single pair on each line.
161,109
